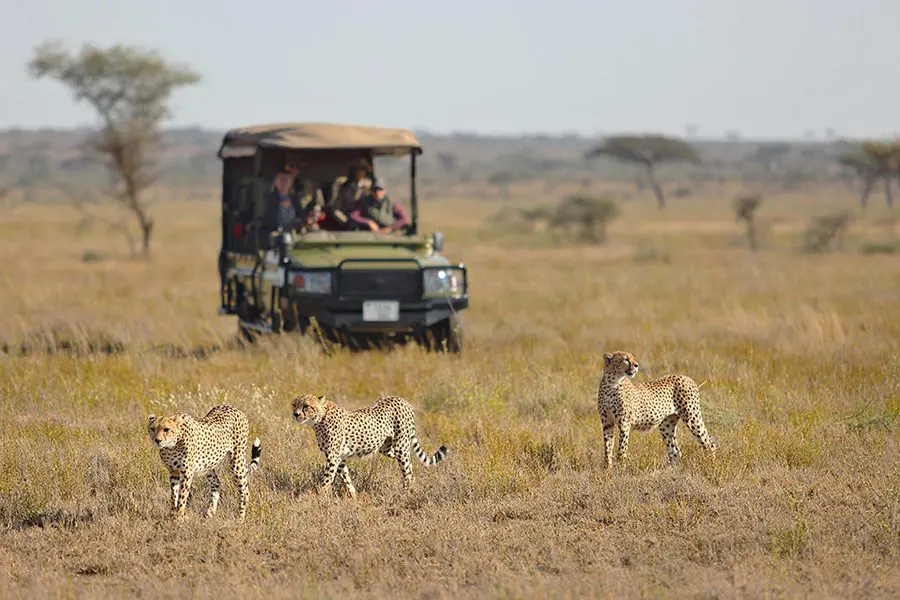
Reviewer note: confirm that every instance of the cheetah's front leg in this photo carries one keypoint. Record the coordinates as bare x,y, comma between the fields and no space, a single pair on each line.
624,432
331,468
175,484
345,478
186,482
609,434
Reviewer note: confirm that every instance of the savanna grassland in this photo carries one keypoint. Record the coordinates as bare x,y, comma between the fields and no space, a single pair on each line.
798,352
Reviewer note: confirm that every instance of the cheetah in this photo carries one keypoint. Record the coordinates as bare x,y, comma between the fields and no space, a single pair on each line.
657,403
190,447
388,426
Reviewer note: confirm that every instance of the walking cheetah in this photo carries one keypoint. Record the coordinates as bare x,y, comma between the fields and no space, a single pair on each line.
658,403
189,447
388,426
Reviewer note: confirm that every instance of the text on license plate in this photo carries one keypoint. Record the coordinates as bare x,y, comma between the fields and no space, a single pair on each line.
381,310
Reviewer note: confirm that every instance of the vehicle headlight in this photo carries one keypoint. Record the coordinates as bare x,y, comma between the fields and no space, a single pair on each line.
312,282
446,281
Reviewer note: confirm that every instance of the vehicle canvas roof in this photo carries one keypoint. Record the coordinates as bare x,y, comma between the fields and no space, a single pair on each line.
243,141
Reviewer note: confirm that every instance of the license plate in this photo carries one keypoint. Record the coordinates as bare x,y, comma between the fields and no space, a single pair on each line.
378,310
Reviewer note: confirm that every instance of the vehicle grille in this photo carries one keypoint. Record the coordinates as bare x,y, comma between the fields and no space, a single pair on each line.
374,285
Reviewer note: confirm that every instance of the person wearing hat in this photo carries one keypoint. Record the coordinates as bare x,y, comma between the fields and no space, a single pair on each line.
378,212
355,186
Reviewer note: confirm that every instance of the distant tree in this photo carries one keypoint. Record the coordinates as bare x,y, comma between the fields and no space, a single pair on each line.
873,161
129,89
860,165
745,208
501,178
770,155
647,151
447,161
732,136
36,169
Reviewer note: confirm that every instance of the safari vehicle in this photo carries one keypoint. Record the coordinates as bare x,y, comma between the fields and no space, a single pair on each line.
356,288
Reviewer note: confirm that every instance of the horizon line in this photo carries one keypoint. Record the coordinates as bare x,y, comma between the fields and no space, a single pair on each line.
525,134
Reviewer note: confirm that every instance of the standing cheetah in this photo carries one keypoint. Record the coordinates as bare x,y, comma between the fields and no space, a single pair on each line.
658,403
189,447
388,426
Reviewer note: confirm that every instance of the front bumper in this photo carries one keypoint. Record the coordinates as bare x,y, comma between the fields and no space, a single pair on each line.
347,315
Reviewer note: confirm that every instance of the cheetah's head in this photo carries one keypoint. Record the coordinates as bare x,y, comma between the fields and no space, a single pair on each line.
620,364
308,409
165,431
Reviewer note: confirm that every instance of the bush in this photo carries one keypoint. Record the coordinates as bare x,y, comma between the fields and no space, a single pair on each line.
881,248
826,232
591,215
745,208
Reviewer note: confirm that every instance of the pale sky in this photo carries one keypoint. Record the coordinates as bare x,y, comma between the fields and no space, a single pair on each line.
765,68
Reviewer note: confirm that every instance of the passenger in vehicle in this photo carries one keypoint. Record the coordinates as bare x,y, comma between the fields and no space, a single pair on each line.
282,204
311,205
378,212
320,213
355,187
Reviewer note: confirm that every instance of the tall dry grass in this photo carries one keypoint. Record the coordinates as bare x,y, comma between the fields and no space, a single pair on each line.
799,353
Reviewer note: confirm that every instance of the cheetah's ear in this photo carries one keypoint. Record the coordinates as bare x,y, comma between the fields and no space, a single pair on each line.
607,358
322,398
151,422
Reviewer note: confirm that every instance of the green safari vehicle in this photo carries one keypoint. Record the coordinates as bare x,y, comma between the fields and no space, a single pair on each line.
352,285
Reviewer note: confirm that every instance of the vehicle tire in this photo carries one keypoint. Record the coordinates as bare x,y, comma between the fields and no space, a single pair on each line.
445,336
357,342
245,335
299,326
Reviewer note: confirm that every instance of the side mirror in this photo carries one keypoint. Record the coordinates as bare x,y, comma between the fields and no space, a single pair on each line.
437,242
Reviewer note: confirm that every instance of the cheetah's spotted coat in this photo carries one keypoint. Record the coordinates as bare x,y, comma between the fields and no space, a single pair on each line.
388,427
190,447
658,403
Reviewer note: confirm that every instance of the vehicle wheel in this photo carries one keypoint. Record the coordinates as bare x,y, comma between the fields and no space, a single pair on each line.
300,326
245,335
445,336
356,342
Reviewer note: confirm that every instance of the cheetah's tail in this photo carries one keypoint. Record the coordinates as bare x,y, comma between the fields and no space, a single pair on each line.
438,456
255,451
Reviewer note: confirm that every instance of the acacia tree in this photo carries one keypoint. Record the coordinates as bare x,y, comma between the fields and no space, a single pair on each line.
873,161
129,89
646,151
